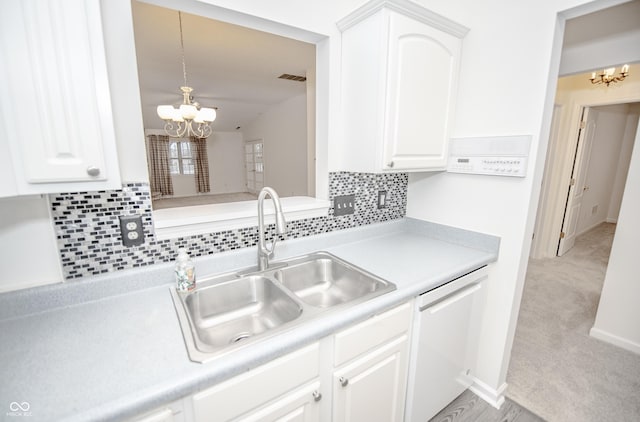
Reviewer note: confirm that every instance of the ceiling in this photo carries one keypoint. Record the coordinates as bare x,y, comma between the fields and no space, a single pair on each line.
230,67
606,23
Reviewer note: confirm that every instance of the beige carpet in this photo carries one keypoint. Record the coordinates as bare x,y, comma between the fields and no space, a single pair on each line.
557,370
186,201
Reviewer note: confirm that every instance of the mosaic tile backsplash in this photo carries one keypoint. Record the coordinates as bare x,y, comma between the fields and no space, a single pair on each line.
87,224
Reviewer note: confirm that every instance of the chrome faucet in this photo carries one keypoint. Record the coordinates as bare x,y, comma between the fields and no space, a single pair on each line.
265,253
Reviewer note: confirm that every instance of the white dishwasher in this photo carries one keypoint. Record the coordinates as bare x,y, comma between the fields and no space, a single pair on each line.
445,342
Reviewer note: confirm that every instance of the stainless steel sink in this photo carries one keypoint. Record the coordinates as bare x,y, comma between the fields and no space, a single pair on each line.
233,310
323,280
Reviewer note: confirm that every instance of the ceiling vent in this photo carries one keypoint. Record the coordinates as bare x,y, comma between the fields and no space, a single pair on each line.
292,77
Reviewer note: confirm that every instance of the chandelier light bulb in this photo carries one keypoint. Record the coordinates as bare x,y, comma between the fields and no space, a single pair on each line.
165,112
188,111
177,116
206,115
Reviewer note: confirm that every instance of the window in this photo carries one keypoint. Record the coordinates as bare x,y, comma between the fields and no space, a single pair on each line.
180,157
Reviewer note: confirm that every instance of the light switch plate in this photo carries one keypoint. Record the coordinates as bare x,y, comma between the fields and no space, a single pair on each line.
131,230
344,205
382,199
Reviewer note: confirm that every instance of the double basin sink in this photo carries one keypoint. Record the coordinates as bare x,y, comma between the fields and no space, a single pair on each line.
234,310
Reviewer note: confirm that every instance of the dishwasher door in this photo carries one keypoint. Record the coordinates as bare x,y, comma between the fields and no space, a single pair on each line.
445,345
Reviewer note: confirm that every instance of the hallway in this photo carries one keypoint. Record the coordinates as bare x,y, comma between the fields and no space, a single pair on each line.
557,370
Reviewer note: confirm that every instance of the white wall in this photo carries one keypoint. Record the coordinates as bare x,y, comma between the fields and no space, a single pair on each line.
618,317
601,168
622,167
29,255
283,130
183,185
226,162
509,68
311,132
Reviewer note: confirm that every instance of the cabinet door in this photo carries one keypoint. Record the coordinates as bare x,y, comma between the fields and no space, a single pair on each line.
373,388
252,390
301,405
421,88
57,107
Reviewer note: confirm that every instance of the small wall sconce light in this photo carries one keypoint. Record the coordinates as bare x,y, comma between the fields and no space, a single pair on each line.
608,75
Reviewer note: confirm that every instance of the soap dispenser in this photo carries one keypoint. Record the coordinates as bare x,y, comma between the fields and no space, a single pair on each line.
185,272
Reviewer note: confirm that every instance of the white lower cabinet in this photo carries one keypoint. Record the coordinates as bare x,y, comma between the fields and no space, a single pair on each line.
265,393
300,405
358,374
372,388
370,382
362,372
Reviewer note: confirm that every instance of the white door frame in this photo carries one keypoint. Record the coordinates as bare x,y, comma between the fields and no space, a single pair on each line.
545,242
539,226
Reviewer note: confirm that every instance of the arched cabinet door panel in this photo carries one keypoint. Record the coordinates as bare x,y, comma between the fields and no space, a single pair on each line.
400,76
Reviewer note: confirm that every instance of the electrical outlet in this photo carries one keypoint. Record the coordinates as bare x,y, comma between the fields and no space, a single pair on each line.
382,199
131,230
343,205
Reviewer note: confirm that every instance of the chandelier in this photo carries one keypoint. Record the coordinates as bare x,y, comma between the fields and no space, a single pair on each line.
608,75
189,119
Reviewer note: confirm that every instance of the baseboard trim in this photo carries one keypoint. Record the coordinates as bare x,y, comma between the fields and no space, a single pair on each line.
495,397
615,340
593,226
612,220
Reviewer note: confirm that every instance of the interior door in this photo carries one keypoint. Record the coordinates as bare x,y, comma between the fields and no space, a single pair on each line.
577,184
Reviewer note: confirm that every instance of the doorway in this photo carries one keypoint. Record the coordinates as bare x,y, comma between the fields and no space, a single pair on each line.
574,95
599,170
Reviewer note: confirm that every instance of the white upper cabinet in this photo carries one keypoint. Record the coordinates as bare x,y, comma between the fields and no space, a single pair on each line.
400,65
55,104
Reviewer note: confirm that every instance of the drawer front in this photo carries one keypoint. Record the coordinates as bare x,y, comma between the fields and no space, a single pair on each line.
371,333
257,387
